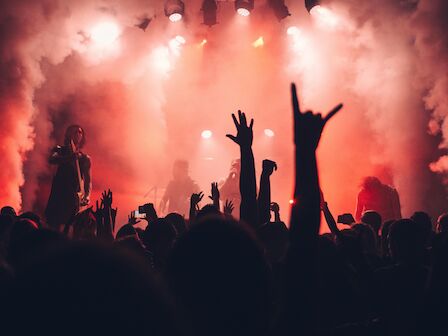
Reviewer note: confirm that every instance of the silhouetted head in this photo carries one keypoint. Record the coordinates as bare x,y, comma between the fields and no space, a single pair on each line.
373,219
87,289
178,221
159,238
180,169
33,216
442,223
367,237
219,274
371,183
208,210
75,133
84,226
424,220
8,210
274,238
406,241
125,231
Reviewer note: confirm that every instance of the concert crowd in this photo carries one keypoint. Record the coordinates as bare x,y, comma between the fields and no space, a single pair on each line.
232,267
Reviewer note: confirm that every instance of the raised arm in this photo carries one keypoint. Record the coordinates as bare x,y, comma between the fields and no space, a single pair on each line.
359,206
330,220
215,195
248,184
301,265
264,196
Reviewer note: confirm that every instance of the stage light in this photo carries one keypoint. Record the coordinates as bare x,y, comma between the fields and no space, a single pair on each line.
291,201
204,42
104,33
309,4
174,10
293,30
325,17
243,7
209,9
176,43
269,133
206,134
279,8
180,39
259,42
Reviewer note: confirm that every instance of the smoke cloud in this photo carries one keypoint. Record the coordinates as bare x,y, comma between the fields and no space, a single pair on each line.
144,97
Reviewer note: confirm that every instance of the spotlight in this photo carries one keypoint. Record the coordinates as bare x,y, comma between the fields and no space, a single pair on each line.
104,33
243,7
203,43
209,9
174,10
206,134
309,4
279,8
291,201
269,133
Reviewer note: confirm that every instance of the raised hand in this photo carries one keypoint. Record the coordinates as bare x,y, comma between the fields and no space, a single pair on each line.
215,194
308,126
98,213
228,207
269,167
106,199
196,198
132,220
150,212
275,207
244,135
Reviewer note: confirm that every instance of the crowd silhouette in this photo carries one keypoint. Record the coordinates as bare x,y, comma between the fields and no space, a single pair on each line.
215,274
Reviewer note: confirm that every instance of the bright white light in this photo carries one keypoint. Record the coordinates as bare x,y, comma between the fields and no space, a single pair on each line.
243,11
104,33
293,30
206,134
176,44
259,42
291,201
204,41
324,16
175,17
180,39
269,133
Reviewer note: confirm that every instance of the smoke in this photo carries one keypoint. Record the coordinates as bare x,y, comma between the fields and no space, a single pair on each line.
144,97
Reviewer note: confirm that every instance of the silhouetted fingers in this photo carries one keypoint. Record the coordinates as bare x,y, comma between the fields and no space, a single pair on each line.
243,120
295,100
251,123
333,112
235,121
232,137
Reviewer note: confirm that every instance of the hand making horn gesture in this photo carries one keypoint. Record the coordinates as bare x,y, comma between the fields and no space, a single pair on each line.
308,126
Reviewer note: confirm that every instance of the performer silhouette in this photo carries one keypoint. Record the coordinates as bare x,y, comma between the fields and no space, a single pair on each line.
72,177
